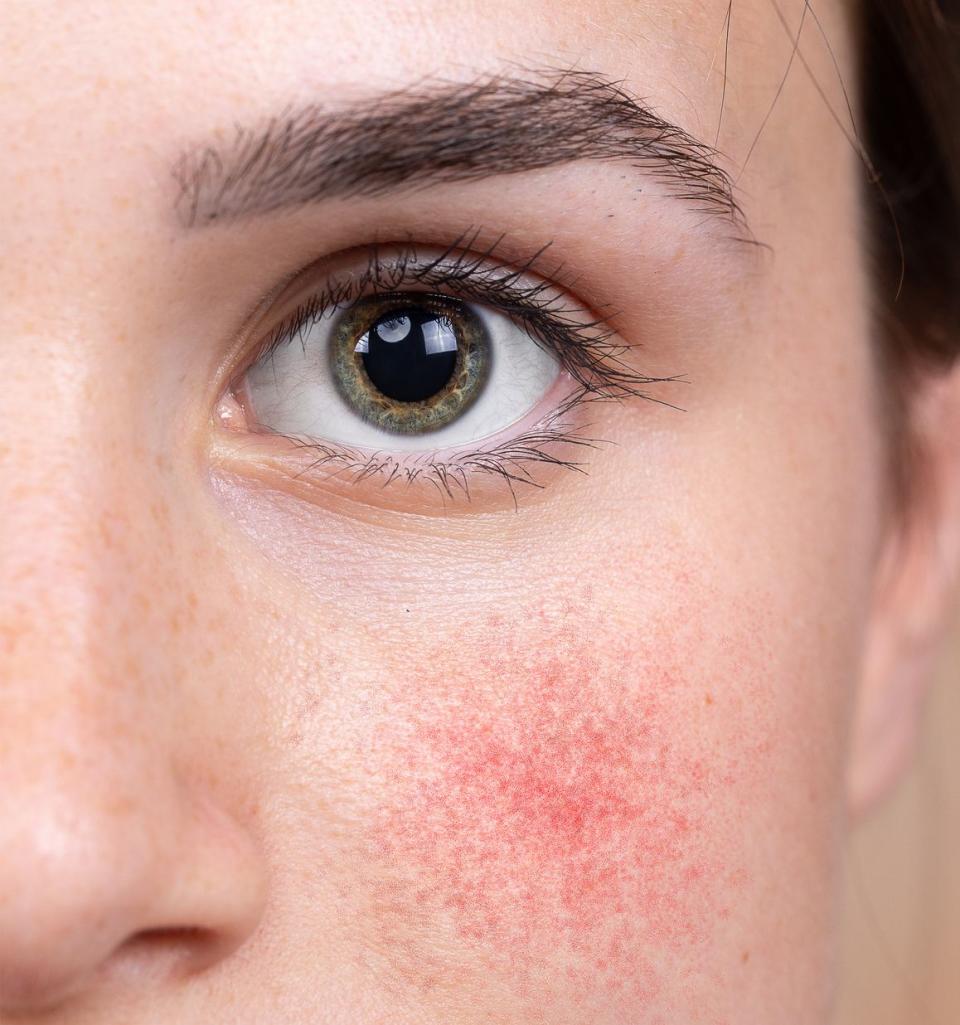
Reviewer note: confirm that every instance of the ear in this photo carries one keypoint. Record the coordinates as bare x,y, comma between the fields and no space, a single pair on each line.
916,584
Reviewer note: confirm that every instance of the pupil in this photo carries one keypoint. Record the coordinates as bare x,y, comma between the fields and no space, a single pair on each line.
409,354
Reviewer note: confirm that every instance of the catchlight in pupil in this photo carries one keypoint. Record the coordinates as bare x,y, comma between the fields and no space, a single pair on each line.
410,354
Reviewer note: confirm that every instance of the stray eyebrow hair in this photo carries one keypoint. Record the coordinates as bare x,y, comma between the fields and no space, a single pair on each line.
438,132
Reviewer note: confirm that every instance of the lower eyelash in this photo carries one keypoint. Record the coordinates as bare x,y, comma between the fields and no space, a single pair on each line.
511,461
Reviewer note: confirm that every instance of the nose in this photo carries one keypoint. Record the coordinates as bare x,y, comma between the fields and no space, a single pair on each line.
124,863
109,882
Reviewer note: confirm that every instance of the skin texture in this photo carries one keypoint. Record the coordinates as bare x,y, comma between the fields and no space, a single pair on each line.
566,822
277,748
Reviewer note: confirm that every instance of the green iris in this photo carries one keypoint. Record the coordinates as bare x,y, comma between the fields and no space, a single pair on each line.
409,363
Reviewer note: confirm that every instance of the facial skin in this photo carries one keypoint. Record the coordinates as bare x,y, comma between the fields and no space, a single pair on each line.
279,746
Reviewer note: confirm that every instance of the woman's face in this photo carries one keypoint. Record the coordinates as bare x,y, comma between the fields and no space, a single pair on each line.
331,692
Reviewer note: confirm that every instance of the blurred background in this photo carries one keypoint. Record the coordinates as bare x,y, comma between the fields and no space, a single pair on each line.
902,927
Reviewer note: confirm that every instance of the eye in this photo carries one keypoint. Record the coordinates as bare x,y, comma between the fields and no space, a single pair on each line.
398,364
400,371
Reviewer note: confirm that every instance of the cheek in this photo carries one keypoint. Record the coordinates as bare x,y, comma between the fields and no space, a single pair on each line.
561,796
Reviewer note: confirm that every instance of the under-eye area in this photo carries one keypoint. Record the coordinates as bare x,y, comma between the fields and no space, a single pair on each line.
423,366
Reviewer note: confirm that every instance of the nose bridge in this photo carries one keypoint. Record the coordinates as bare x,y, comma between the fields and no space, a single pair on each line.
82,541
73,489
80,666
80,654
82,546
71,562
85,560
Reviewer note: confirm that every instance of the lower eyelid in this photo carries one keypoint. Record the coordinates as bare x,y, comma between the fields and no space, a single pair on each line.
511,468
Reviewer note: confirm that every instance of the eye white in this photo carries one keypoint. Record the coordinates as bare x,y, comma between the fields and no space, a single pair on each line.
292,391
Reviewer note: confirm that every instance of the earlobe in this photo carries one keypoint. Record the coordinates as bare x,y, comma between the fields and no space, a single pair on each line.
914,595
886,714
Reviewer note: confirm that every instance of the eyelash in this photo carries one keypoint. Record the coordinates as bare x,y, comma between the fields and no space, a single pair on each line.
585,348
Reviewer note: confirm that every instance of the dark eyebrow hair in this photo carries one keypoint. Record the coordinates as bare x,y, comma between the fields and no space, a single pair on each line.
437,132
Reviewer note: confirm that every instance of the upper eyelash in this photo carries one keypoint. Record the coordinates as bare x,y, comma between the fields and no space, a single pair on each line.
586,349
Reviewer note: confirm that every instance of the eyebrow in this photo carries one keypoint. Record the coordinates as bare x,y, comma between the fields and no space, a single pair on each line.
439,132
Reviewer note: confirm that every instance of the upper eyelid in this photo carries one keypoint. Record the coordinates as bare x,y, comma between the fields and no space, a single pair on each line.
584,343
462,274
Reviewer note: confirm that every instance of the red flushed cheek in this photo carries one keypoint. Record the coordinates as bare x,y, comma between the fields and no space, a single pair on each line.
555,808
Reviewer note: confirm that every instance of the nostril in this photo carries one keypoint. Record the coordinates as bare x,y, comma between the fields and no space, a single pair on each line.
120,903
164,954
149,958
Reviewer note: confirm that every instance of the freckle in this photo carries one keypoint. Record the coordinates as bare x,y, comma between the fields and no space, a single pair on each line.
745,957
119,807
708,699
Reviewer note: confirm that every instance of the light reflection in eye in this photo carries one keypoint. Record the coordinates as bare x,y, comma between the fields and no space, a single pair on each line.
417,367
438,336
393,329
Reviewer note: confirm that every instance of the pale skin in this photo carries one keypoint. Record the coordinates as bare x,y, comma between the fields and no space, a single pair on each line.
275,746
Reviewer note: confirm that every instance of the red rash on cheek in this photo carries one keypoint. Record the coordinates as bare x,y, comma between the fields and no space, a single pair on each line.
553,808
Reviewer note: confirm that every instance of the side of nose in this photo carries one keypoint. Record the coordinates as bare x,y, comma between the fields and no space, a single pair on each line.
121,863
114,881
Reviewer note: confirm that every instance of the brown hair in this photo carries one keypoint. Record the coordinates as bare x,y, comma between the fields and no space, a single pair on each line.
910,83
